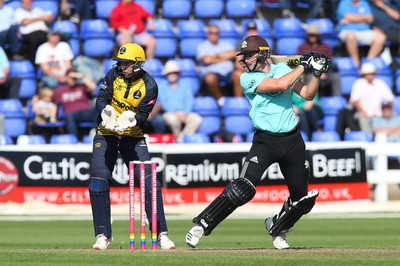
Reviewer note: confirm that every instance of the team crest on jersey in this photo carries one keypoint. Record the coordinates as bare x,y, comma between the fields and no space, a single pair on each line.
274,93
251,84
97,145
137,94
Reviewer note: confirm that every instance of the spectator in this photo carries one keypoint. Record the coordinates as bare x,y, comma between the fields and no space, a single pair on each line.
82,10
129,20
251,29
45,110
367,96
354,25
9,30
54,59
9,87
309,113
33,26
177,100
330,81
288,7
215,58
388,124
74,97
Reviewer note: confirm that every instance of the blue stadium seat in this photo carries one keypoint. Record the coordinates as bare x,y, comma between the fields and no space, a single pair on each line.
205,9
104,7
187,67
396,105
26,72
348,73
108,64
235,106
154,66
176,9
191,82
325,136
238,124
249,137
227,30
63,139
190,34
196,138
304,136
288,45
331,105
358,136
70,32
31,139
13,4
329,122
31,115
47,5
87,139
288,27
96,33
6,140
166,45
240,8
383,70
148,5
271,3
327,30
14,117
207,108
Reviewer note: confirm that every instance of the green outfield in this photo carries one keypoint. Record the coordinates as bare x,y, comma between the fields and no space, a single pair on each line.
234,242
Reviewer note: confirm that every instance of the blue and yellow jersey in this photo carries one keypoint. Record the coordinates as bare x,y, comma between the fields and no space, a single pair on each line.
138,95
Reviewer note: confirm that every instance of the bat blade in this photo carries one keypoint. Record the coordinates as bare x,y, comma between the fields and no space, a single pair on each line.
291,60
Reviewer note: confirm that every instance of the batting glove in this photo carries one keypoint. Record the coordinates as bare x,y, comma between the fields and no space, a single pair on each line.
125,120
305,60
320,64
108,115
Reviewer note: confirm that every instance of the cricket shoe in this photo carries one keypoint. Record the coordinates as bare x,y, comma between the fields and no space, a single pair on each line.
102,242
278,241
194,235
164,242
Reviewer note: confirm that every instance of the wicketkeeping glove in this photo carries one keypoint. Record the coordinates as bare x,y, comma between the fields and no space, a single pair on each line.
320,64
109,117
125,120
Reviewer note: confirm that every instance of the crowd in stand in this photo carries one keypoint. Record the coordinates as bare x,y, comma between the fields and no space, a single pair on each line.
67,81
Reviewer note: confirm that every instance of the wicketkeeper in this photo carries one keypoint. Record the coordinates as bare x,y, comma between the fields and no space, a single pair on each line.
127,96
268,88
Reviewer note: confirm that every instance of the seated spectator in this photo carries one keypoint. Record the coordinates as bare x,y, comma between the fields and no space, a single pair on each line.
45,110
176,101
9,30
33,26
129,20
288,8
9,87
330,81
216,58
388,123
251,29
82,10
367,95
74,97
387,18
54,58
309,112
354,25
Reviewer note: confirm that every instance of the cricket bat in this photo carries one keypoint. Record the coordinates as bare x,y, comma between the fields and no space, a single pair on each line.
291,60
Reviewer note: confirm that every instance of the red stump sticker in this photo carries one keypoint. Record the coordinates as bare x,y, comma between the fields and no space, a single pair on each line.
8,176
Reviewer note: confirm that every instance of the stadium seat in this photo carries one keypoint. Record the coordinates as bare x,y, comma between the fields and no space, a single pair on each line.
271,3
396,105
148,5
47,5
288,27
95,33
288,45
250,136
327,30
358,136
206,9
348,73
86,139
26,72
33,124
331,105
187,67
191,82
13,4
240,8
70,33
196,138
207,108
235,106
227,30
176,9
63,139
6,140
30,139
104,7
14,117
325,136
329,122
238,124
166,45
108,64
190,34
304,136
154,66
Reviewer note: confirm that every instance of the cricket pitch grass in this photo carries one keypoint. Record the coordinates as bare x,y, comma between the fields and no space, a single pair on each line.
369,241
